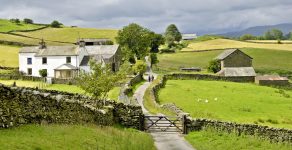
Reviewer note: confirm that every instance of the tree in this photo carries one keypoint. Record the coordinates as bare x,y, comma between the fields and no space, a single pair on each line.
17,21
172,35
140,67
154,59
101,79
134,40
156,41
56,24
28,21
214,66
43,73
246,37
274,34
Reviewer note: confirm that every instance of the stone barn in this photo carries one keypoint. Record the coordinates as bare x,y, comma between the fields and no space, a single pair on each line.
272,80
235,63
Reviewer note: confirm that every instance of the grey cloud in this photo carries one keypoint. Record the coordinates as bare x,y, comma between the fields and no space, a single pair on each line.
208,16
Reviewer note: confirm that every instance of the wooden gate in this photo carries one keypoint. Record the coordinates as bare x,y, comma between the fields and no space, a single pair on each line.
164,124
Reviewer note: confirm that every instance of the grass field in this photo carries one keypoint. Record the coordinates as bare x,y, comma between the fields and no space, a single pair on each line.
112,95
68,34
226,43
212,140
264,59
6,26
77,137
228,101
271,41
9,56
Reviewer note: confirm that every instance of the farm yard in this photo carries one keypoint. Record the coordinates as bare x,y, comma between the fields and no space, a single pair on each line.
228,101
78,137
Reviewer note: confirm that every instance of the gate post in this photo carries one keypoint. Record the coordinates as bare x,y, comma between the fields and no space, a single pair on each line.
142,122
184,123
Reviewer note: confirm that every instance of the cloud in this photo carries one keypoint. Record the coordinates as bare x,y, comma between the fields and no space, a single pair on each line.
208,16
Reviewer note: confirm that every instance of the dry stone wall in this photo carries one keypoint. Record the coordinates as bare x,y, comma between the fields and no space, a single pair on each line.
27,105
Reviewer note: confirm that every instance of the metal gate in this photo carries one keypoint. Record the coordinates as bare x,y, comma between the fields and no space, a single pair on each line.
164,124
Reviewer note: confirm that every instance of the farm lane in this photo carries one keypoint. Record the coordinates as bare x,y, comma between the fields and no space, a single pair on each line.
162,140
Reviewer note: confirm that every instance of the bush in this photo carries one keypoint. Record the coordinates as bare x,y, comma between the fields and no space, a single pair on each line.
214,66
154,59
140,67
56,24
28,21
43,73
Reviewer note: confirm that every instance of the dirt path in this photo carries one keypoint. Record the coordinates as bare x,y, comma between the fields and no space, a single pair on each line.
162,140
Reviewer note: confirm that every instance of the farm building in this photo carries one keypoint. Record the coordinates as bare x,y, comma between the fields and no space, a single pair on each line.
272,80
65,62
91,41
235,63
189,36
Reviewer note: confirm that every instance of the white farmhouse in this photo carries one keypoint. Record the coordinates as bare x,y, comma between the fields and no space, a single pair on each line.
65,61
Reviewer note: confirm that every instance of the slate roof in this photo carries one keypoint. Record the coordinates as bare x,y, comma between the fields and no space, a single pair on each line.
102,49
189,36
51,51
228,52
237,72
93,40
66,67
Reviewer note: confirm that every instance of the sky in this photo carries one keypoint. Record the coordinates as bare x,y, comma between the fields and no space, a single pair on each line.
190,16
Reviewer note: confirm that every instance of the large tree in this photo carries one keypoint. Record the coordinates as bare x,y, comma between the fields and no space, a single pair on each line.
172,34
135,41
156,41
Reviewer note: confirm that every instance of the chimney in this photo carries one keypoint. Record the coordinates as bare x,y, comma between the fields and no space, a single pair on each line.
81,43
42,44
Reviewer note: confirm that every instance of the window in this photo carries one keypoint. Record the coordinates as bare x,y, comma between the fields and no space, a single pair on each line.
44,60
29,71
29,61
68,60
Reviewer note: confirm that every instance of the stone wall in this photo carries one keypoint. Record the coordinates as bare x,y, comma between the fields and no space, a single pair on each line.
207,77
27,105
265,132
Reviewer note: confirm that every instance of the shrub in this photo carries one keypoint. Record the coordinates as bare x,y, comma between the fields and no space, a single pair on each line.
214,66
43,72
140,67
154,59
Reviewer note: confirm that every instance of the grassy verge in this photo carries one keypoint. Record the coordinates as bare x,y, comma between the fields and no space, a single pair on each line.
112,95
229,101
213,140
77,137
149,101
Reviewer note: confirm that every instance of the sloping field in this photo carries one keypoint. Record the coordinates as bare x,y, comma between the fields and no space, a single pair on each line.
226,43
263,59
68,34
229,101
9,56
6,26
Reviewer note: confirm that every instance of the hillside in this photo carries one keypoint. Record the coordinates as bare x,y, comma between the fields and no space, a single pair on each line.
7,26
226,43
260,30
68,34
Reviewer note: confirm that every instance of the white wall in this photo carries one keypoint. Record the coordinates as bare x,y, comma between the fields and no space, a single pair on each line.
52,63
23,66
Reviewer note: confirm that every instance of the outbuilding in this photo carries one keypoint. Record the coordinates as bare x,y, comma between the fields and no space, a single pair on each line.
272,80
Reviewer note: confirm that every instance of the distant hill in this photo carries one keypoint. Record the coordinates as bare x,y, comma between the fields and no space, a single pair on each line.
260,30
7,26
